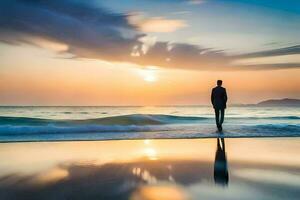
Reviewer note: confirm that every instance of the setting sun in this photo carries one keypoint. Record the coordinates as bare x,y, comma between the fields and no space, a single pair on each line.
149,74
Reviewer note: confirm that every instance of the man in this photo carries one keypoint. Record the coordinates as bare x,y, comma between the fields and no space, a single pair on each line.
218,100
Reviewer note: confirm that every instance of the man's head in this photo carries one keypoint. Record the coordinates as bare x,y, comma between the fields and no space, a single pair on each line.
219,82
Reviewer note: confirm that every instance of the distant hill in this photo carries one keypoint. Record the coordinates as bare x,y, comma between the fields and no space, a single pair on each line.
280,102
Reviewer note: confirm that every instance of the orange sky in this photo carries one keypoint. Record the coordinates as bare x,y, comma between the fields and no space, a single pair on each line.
38,77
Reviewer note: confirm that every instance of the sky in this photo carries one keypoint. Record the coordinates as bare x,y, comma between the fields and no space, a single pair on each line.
147,52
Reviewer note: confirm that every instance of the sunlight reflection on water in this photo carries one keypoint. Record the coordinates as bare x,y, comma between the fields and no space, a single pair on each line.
152,169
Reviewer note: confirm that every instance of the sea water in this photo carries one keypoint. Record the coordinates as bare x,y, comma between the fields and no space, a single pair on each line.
103,123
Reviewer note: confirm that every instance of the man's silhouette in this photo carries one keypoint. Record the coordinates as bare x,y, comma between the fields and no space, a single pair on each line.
220,167
218,100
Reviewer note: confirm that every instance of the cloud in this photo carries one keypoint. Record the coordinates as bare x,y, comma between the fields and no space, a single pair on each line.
86,30
155,24
196,1
281,58
183,56
160,25
273,52
269,66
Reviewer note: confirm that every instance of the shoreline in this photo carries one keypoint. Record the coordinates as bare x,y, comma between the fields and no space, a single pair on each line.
139,139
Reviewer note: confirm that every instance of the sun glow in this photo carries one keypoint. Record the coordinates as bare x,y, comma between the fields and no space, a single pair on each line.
148,74
151,153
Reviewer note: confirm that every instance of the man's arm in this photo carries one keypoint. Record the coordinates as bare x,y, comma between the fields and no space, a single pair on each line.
225,95
212,97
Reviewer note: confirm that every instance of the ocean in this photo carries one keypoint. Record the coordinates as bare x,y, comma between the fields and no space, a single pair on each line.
106,123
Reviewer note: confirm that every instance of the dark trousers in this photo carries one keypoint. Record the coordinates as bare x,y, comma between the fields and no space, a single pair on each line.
219,121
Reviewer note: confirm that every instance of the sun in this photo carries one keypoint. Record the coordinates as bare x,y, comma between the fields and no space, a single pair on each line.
148,74
150,78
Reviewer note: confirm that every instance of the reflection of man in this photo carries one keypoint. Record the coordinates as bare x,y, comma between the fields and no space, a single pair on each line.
220,167
219,100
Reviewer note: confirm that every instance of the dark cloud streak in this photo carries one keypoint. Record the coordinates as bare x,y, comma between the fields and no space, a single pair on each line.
91,31
273,52
85,29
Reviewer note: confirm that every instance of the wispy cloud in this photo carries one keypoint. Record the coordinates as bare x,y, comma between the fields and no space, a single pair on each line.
273,52
89,31
196,1
160,25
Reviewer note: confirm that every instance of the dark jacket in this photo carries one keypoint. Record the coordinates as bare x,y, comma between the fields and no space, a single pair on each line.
219,97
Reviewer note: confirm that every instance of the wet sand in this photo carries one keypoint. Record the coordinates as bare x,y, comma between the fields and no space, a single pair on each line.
245,168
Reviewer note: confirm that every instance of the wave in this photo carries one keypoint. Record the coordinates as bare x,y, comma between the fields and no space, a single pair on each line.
106,132
143,126
134,119
53,129
276,117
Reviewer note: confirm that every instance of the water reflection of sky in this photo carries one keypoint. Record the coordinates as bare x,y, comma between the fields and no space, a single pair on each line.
152,169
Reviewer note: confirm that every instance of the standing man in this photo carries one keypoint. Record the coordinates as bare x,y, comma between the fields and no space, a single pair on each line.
219,100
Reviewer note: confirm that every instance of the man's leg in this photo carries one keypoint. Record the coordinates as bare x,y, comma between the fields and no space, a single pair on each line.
217,116
223,144
222,116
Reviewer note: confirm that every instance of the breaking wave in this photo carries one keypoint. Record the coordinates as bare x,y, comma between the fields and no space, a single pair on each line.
143,126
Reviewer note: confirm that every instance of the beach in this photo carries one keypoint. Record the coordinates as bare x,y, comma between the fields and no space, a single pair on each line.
149,153
215,168
149,100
